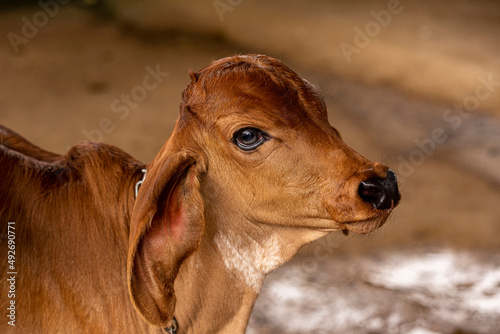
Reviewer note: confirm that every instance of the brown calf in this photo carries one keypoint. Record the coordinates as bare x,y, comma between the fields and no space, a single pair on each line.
252,172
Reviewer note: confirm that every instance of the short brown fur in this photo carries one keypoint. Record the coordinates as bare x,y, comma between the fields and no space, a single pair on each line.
93,259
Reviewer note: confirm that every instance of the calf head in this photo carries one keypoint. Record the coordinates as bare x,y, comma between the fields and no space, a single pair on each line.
252,162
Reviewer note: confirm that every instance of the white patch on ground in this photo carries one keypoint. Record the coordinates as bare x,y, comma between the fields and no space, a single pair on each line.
419,330
305,307
449,282
248,259
417,293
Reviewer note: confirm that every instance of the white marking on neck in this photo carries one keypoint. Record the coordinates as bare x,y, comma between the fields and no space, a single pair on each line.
248,259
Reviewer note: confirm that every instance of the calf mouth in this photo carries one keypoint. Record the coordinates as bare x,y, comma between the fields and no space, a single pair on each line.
365,226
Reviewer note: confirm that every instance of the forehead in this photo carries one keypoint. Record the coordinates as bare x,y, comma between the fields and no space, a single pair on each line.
256,88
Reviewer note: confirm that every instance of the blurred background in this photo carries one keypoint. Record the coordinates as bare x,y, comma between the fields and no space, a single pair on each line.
414,84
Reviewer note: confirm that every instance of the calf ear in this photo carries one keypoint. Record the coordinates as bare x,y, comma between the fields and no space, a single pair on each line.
166,227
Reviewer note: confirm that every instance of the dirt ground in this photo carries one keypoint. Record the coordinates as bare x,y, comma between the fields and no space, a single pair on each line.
434,267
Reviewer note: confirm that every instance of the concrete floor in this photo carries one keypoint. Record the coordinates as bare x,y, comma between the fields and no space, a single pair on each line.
61,84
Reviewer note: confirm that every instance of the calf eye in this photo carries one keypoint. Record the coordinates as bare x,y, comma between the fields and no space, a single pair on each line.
249,139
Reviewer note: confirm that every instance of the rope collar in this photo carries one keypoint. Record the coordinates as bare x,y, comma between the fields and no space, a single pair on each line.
172,329
138,184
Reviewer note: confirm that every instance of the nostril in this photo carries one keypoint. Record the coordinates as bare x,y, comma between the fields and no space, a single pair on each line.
369,191
372,191
381,193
